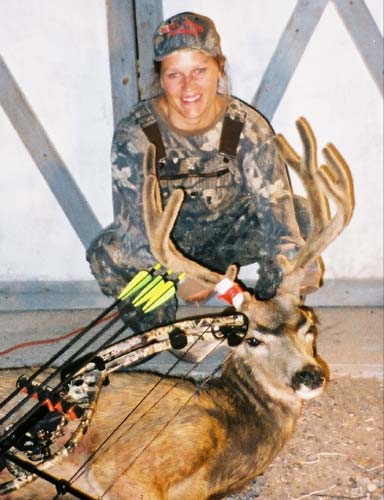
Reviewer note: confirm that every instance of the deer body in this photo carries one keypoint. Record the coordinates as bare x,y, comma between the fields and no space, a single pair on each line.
185,443
188,444
225,436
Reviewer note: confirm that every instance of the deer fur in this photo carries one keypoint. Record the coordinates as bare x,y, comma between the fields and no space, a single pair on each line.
226,434
186,442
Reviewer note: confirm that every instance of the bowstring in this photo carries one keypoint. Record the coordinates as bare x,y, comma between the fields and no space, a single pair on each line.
105,344
198,388
34,409
92,458
80,471
126,308
55,372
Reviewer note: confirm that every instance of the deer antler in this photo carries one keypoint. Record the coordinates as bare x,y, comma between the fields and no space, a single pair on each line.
333,181
159,223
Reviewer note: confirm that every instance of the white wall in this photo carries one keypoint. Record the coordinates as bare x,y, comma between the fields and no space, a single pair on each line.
58,53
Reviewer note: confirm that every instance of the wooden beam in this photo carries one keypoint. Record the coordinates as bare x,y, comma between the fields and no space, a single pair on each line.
287,55
46,158
122,56
149,14
365,34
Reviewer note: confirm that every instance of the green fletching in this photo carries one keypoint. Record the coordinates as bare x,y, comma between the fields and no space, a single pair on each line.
152,290
161,300
160,295
140,279
147,292
136,283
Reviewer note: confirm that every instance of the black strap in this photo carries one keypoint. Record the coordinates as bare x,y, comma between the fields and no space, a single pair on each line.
230,135
153,134
229,140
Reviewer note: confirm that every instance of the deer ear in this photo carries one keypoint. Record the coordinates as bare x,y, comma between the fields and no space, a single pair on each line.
231,272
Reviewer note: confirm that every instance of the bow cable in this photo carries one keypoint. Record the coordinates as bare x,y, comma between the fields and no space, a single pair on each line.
142,279
232,335
62,486
81,470
198,388
152,291
229,326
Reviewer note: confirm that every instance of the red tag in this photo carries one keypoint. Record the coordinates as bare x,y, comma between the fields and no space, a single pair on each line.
229,295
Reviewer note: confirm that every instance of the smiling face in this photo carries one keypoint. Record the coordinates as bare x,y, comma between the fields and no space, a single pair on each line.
189,80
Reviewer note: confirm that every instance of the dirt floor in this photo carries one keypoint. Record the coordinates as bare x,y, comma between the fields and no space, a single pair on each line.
336,451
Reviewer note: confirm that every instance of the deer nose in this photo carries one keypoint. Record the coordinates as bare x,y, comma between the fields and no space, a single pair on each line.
311,376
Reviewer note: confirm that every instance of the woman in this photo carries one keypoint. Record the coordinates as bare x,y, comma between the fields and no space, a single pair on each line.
238,206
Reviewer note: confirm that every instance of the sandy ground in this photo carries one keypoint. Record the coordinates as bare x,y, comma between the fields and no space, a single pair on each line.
336,451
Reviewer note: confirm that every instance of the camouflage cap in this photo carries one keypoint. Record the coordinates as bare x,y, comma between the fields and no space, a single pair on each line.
183,31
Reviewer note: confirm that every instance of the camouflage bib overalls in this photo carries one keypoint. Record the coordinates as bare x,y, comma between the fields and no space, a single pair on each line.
221,220
216,203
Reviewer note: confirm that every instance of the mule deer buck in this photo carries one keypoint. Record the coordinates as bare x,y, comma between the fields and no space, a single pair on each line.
206,443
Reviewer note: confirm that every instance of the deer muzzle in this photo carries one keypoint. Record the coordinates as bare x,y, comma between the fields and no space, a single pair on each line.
309,381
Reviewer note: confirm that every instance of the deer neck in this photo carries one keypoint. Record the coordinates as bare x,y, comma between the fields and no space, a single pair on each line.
256,424
265,396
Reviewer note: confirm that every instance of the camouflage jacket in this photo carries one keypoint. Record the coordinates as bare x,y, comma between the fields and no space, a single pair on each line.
237,209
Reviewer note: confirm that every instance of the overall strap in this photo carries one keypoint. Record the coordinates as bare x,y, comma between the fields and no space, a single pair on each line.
229,139
230,134
151,129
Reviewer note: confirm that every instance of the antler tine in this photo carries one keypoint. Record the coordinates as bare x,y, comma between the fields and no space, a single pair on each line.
333,181
159,223
306,168
337,182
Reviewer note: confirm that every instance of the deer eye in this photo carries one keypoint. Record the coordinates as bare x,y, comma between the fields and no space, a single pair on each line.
253,342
